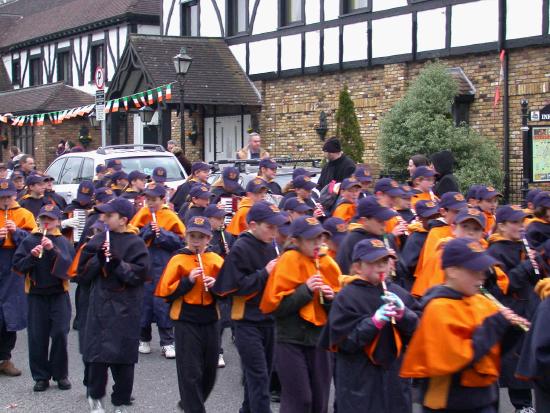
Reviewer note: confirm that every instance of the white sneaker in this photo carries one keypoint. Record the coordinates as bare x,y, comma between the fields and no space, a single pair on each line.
119,409
144,347
96,405
221,362
526,410
169,351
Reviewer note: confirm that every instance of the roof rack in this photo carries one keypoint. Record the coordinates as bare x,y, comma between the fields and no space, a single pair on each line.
242,163
102,150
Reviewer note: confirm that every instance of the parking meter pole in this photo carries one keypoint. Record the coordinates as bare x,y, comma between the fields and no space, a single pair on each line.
104,133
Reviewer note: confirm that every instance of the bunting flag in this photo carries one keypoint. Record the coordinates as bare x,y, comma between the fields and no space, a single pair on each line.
169,92
142,99
115,106
136,101
125,102
159,94
40,120
150,98
500,78
31,120
108,106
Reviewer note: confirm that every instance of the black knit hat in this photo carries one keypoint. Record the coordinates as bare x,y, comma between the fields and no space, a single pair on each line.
332,146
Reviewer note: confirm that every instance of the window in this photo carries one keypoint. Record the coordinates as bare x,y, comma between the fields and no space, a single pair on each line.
70,171
87,170
23,138
96,59
237,17
64,67
190,19
146,164
35,71
54,169
461,110
350,6
16,72
291,12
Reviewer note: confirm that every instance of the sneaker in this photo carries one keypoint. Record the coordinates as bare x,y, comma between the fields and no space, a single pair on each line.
526,410
96,405
119,409
41,385
169,351
144,347
221,362
64,384
8,369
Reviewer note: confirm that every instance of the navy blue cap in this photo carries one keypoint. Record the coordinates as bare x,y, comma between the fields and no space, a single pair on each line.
50,211
256,185
17,174
198,224
114,164
137,175
34,179
370,250
263,211
423,172
104,195
487,192
426,209
509,213
85,192
301,171
98,224
542,200
350,183
408,192
119,205
200,191
303,182
159,175
268,163
466,253
472,191
452,200
369,207
284,228
337,227
7,188
473,214
307,228
119,175
297,205
48,178
199,166
532,194
214,211
388,186
363,174
99,169
230,178
155,189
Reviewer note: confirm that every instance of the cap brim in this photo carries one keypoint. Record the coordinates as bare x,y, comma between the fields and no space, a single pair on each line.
314,232
309,185
480,263
204,231
429,212
456,205
470,218
105,208
492,195
376,255
204,195
364,179
384,214
302,208
84,198
150,192
107,198
357,185
51,215
276,219
516,216
395,192
7,192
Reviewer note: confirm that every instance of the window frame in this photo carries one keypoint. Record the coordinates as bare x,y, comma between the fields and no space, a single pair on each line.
20,138
68,76
188,5
282,6
76,177
229,18
344,6
16,80
36,58
61,161
96,45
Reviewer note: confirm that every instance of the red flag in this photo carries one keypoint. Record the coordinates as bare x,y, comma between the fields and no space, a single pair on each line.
500,79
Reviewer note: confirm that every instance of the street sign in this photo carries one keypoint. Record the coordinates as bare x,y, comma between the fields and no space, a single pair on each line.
100,104
99,77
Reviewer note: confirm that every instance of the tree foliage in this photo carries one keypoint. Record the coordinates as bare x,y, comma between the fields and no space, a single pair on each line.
422,123
347,127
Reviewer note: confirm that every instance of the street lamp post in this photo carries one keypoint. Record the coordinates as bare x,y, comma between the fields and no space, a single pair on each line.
182,62
525,139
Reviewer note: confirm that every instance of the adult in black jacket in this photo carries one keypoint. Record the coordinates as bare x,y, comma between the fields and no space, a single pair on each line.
446,182
338,167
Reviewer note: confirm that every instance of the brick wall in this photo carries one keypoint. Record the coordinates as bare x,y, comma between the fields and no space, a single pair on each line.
292,106
192,152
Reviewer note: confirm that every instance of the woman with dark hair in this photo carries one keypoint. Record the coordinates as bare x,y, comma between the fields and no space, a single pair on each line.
443,163
15,155
415,161
60,150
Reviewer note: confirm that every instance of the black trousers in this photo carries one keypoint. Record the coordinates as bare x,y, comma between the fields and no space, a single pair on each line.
520,398
49,318
166,335
123,376
305,375
255,344
197,350
542,397
7,342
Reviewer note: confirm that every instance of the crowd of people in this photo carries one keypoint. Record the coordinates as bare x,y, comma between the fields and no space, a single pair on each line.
376,287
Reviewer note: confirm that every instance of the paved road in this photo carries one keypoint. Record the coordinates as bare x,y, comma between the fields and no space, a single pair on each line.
155,387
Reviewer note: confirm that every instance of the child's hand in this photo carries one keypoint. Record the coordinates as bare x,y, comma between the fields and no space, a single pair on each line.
10,226
513,318
155,228
393,299
35,252
382,316
328,292
314,282
270,265
533,259
46,243
318,212
3,232
209,281
194,274
107,249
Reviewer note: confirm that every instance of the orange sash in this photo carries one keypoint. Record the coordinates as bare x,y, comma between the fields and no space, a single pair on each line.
238,223
345,211
23,218
166,219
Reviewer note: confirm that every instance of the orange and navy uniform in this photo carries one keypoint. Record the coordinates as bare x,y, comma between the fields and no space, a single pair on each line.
345,210
238,223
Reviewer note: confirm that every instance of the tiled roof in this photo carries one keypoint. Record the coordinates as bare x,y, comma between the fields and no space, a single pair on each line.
45,98
465,86
26,20
215,77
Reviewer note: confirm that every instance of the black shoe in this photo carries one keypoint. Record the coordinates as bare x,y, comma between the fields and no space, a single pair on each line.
275,397
64,384
41,385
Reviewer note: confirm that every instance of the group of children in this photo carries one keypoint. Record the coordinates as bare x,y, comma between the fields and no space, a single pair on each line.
386,290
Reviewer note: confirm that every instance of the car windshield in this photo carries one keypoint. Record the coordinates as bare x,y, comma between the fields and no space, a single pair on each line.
146,164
